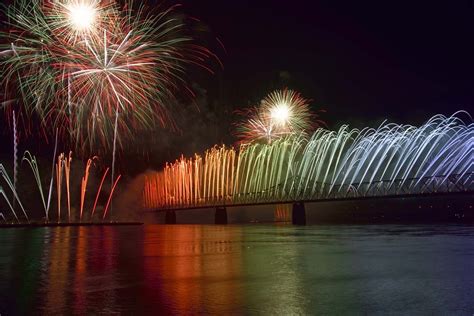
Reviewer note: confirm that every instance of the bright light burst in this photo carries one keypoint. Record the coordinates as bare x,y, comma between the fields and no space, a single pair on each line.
281,113
81,15
77,64
74,21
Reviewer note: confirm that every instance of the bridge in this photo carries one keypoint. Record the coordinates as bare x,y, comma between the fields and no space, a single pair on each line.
392,161
399,188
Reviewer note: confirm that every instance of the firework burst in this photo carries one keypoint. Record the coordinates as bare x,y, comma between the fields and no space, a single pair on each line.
75,20
27,73
282,113
79,64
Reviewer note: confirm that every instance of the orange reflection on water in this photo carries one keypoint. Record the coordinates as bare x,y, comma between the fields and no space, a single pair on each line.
282,213
193,267
57,283
80,272
83,269
105,257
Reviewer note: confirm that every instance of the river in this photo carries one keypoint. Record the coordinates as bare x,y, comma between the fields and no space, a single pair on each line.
238,269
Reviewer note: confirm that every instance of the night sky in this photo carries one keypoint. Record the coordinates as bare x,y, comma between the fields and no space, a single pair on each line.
359,61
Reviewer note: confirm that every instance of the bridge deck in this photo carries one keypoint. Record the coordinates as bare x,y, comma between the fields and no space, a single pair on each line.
468,193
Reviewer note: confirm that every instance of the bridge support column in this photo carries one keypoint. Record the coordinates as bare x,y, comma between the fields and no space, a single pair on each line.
170,217
220,217
298,214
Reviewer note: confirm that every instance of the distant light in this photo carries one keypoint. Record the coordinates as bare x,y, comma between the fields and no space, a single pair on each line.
82,15
280,113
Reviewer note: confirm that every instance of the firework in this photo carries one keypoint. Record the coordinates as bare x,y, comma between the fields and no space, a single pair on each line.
74,20
256,128
26,63
76,64
6,177
390,160
281,113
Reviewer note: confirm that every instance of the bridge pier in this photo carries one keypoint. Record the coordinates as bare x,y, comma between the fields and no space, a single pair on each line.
220,216
170,217
298,214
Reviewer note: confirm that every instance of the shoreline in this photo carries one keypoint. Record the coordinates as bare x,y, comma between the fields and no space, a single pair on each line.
37,225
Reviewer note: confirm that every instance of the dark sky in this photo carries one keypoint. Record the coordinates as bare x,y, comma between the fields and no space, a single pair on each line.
361,61
358,60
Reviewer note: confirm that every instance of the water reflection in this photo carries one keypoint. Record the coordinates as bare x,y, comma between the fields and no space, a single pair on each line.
285,281
76,268
193,268
80,271
19,261
237,270
58,274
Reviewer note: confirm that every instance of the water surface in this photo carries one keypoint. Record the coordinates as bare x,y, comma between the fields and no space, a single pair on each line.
251,269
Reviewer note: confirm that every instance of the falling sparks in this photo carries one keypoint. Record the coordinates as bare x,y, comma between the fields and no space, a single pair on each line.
390,160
